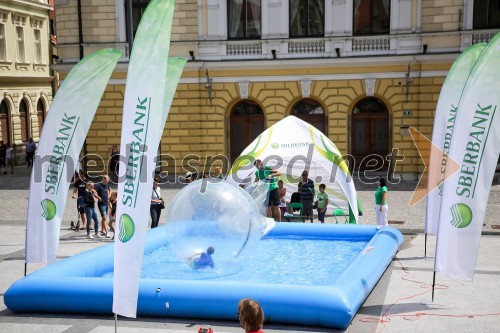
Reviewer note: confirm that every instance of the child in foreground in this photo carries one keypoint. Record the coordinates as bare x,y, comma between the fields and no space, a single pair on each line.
251,316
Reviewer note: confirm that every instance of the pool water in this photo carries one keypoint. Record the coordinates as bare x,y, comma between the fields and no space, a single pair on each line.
273,260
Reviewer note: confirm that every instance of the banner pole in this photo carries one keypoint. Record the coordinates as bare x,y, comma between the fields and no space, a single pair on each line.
433,284
116,323
25,268
425,246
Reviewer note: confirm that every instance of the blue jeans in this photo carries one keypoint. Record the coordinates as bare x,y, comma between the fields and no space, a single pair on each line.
91,214
321,216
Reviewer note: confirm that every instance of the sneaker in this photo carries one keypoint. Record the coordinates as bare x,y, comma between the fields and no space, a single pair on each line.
108,235
98,235
90,237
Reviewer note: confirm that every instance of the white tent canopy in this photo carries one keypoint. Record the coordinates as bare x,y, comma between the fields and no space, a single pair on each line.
292,146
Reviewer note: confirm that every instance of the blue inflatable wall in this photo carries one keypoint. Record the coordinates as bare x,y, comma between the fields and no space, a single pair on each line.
74,285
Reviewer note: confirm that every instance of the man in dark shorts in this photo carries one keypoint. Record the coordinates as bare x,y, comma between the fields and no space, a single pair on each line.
104,191
269,175
78,193
306,189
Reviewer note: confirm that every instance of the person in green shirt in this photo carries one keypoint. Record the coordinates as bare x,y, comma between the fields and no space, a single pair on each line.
322,203
381,203
268,174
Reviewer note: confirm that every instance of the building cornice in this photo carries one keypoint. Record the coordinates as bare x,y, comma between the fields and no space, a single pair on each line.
24,79
32,4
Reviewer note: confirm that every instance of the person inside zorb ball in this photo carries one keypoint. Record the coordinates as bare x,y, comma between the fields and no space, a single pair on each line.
213,224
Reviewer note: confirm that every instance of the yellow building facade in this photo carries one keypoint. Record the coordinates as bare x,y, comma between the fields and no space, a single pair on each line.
25,76
363,80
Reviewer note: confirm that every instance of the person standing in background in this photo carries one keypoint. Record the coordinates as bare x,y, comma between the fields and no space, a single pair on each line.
322,203
306,189
113,163
156,204
3,153
269,175
381,206
30,151
8,159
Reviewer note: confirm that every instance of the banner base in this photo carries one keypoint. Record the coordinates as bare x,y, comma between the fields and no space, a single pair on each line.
428,301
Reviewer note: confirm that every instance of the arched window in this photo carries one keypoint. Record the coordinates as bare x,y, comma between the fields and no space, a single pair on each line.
25,119
247,123
40,112
370,134
371,17
311,112
5,122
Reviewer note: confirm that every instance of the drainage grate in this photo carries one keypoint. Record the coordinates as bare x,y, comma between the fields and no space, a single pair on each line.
396,222
495,226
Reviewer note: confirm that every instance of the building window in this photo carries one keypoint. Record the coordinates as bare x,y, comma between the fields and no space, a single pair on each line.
21,54
307,18
371,17
486,14
244,19
37,38
40,112
24,117
138,9
311,112
4,122
3,42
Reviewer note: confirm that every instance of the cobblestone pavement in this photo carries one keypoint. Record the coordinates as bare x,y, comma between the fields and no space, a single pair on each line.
14,202
461,307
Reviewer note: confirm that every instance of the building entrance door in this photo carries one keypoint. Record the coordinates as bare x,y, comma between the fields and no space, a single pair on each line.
370,135
247,123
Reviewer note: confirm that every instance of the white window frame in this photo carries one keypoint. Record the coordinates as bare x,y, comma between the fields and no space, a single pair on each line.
37,47
19,21
37,25
4,56
20,44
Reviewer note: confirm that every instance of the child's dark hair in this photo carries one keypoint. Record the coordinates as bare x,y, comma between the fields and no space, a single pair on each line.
250,315
382,182
323,186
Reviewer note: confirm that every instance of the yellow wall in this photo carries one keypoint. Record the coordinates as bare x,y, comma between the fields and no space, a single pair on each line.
193,127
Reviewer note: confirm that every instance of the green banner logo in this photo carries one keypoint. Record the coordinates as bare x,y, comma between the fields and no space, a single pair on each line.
275,145
461,215
127,228
49,209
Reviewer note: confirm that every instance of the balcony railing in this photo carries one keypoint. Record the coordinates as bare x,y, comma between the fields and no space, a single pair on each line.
483,36
310,47
368,44
244,48
306,47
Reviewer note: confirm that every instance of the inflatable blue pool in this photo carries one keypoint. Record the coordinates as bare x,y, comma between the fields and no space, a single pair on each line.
77,285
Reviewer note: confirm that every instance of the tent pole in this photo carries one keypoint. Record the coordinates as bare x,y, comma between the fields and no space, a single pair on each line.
25,268
116,323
